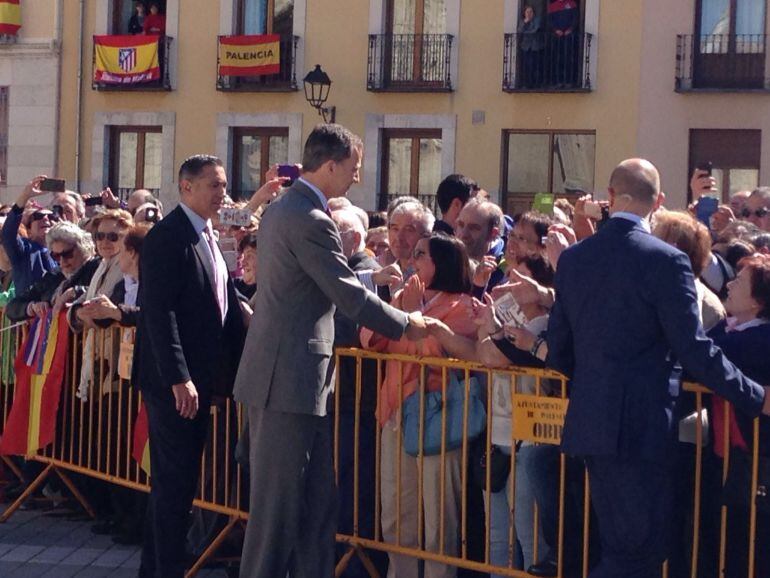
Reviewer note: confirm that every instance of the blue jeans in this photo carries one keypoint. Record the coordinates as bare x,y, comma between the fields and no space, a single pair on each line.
523,518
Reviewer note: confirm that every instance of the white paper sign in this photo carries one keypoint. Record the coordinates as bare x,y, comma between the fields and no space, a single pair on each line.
235,217
509,312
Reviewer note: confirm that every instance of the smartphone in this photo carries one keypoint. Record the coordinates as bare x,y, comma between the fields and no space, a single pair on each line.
707,166
93,201
706,207
151,215
290,171
53,185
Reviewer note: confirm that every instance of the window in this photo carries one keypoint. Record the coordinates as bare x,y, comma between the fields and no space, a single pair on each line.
123,10
135,159
411,164
255,150
561,163
730,46
734,155
265,17
3,135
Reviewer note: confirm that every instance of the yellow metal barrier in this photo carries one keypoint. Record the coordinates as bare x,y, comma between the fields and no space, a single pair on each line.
430,512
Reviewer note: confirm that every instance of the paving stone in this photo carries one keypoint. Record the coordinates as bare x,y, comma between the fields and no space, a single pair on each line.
22,553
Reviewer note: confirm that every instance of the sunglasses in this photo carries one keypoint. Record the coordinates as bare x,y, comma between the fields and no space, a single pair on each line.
40,215
111,237
63,255
759,213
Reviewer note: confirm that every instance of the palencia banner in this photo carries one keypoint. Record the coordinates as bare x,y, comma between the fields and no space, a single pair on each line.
126,59
10,17
253,55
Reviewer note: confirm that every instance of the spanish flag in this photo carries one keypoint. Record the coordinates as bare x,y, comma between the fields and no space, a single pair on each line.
10,16
254,55
126,59
39,365
141,442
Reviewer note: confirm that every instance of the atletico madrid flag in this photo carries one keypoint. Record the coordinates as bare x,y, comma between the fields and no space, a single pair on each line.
126,59
39,366
141,442
10,16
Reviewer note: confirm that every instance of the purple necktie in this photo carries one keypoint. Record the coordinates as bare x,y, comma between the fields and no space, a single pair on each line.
217,262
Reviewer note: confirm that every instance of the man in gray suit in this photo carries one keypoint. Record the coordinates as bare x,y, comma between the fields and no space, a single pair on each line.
286,376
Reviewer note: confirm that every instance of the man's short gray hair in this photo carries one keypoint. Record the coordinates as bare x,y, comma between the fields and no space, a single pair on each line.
70,234
80,206
490,210
328,142
419,211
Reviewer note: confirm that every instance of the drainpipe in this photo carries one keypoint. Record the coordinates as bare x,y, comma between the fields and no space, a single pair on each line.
79,98
56,48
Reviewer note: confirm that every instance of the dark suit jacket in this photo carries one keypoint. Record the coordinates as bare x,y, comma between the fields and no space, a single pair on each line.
44,289
129,314
180,335
625,310
750,351
346,334
303,279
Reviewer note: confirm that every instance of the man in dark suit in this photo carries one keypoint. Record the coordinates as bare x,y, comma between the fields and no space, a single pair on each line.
189,338
286,375
625,311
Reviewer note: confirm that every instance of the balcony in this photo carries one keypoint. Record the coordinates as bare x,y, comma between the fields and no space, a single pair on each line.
284,81
409,63
547,63
721,63
116,84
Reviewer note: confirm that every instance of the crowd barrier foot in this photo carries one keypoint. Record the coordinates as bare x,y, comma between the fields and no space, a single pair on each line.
13,468
37,482
209,552
365,560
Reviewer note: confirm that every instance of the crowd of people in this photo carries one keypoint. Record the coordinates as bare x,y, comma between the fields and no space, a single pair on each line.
406,281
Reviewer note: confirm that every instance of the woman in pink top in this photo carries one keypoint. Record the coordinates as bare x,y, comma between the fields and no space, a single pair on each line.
440,289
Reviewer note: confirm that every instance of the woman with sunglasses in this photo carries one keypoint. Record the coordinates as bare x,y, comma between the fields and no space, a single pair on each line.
440,289
28,254
108,228
73,250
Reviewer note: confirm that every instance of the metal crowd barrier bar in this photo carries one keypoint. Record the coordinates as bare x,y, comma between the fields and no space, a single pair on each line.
409,507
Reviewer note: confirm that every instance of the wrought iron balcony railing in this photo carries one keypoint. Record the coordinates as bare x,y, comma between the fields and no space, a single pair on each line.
542,62
721,62
410,63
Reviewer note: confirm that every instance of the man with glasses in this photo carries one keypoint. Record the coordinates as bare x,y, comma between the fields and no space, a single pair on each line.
68,206
29,256
757,208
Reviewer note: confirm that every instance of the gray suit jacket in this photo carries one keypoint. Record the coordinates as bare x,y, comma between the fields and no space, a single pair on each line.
303,275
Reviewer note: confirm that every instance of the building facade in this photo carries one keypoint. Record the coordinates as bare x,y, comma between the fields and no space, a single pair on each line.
29,96
433,87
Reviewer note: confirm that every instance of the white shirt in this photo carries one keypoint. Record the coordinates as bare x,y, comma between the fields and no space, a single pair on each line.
642,222
132,286
200,225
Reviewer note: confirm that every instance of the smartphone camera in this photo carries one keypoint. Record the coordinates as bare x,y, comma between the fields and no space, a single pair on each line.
289,171
58,212
151,215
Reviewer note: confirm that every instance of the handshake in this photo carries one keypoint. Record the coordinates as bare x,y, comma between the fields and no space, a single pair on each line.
419,327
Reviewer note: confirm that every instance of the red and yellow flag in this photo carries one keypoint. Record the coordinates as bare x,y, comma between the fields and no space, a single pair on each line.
253,55
10,16
39,365
126,59
141,442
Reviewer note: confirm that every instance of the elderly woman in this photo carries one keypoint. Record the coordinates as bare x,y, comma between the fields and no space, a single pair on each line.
72,248
745,339
690,236
439,288
109,229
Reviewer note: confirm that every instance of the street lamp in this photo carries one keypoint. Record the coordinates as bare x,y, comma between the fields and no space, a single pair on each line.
317,84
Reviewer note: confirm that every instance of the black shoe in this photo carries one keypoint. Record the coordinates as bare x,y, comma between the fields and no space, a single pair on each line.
104,528
547,567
